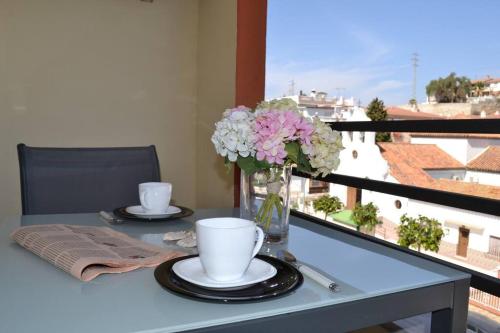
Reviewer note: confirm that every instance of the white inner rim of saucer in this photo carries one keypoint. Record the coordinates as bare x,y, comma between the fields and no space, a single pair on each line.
139,211
192,271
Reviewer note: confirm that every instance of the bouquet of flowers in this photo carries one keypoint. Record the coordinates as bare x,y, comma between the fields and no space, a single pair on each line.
273,136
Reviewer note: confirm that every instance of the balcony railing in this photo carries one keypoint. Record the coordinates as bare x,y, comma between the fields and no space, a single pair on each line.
483,283
485,301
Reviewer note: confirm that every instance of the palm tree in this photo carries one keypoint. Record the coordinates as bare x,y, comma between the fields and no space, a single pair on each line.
451,89
478,88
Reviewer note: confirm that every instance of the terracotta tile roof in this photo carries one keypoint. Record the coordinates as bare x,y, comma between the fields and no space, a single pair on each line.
408,161
394,112
424,156
488,160
488,79
456,135
479,190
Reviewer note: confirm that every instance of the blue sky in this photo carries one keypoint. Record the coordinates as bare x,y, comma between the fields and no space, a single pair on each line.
365,46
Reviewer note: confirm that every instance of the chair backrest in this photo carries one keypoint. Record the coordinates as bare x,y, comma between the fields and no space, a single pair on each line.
82,180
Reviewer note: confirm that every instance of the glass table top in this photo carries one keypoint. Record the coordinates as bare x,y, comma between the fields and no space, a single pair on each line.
39,297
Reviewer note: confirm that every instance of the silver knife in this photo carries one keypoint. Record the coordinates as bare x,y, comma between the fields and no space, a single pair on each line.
308,271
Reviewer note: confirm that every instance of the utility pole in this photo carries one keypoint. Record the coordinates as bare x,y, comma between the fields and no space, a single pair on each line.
414,60
291,88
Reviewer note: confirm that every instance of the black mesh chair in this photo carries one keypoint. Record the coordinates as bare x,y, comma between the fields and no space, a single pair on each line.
82,180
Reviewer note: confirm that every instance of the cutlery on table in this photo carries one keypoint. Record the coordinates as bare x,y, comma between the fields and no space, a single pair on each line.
308,271
110,218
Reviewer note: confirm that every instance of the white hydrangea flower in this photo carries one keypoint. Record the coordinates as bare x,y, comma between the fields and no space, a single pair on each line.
324,149
283,104
234,134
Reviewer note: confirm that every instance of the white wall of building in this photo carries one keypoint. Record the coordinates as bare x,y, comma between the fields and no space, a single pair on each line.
481,226
456,174
462,149
386,204
477,146
456,147
481,177
494,87
339,191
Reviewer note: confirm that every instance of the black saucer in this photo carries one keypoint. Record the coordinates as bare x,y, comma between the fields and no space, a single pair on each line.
286,280
123,214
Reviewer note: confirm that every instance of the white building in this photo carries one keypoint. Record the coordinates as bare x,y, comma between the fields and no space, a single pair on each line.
359,152
491,86
463,147
419,165
441,162
485,167
318,104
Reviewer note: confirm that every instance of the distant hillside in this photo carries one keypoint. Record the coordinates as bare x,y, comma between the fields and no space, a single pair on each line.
489,107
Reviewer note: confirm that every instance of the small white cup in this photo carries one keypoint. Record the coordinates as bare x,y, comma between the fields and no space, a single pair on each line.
227,245
155,197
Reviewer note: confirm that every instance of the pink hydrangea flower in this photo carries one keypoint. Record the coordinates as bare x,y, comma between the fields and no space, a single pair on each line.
275,128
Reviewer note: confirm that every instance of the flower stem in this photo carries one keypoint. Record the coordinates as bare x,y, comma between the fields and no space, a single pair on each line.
265,214
272,200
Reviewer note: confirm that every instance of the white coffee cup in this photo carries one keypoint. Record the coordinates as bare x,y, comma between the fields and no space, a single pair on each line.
155,197
227,245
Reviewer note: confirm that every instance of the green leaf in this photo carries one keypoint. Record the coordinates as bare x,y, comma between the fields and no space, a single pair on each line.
366,215
262,165
327,204
247,164
303,164
293,150
421,232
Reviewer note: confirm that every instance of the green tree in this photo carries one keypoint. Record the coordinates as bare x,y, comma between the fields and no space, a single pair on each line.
477,89
376,111
327,204
451,89
421,232
365,216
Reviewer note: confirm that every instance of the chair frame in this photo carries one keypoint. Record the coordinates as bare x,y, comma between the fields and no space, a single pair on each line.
22,163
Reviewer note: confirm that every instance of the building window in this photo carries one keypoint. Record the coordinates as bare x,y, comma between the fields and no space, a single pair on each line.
494,248
317,186
463,241
397,203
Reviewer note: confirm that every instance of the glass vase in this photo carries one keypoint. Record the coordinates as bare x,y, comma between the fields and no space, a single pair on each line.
265,199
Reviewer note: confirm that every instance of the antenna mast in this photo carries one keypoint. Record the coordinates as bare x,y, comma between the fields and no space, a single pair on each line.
414,60
291,88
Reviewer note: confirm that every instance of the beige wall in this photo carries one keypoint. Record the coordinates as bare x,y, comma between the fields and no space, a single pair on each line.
114,73
216,53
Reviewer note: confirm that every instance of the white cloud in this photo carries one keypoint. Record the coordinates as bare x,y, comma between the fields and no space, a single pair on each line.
385,86
366,74
364,83
374,48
